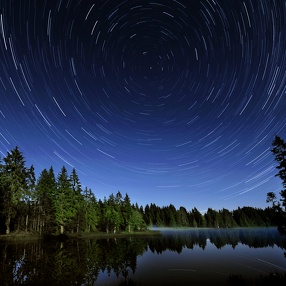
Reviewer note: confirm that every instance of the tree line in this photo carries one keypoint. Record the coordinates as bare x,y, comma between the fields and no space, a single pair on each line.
58,204
241,217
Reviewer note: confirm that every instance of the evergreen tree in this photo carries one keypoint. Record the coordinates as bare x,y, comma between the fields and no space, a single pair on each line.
127,213
241,217
136,221
46,188
213,218
30,195
78,202
279,150
170,216
227,218
146,216
153,216
15,180
111,217
192,220
199,218
91,211
63,200
183,217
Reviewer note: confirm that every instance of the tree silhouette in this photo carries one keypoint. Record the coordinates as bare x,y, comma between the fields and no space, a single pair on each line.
279,150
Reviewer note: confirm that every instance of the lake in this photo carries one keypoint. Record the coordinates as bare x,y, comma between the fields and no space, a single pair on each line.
176,257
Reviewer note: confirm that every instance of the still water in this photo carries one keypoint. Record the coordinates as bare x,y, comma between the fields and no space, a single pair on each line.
176,257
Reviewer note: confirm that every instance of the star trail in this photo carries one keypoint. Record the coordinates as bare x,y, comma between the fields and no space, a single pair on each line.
171,101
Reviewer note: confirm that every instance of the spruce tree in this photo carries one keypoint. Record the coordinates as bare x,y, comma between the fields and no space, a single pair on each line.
111,216
126,211
45,192
63,200
91,211
15,180
78,201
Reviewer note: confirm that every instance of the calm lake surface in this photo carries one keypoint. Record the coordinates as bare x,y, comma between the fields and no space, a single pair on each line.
176,257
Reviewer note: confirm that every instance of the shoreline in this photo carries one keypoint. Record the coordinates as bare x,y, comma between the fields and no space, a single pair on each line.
30,236
23,236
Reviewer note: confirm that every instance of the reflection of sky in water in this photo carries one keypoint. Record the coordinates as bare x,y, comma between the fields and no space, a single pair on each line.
209,264
198,266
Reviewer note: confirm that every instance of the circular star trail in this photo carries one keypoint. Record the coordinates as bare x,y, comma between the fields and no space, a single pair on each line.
170,101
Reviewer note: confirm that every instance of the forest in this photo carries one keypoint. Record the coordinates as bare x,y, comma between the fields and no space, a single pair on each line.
53,204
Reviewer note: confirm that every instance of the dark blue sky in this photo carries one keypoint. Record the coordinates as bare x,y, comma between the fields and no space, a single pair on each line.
170,101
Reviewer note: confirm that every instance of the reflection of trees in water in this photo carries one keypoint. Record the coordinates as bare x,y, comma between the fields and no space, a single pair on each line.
177,240
81,261
73,261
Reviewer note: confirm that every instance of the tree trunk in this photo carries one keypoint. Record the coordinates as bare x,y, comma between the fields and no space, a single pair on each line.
62,229
7,223
27,220
39,221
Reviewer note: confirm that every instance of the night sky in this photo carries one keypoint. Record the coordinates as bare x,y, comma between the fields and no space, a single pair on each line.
171,101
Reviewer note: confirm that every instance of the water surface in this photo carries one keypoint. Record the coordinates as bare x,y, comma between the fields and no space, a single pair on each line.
177,257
